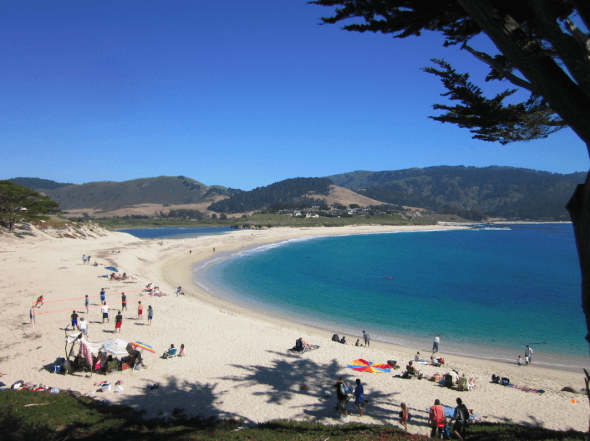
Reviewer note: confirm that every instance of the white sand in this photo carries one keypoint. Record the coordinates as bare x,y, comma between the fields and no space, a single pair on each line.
237,363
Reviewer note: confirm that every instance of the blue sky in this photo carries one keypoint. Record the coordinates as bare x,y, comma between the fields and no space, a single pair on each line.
234,93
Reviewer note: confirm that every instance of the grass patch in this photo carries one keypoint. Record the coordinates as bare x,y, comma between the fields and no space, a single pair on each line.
62,417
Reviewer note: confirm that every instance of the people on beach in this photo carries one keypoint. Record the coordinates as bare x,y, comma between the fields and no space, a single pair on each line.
83,326
74,317
118,322
519,361
139,311
436,419
88,259
461,416
343,340
528,354
86,303
178,291
411,371
40,301
84,259
32,314
357,342
123,301
182,353
150,312
404,416
102,296
167,353
105,313
342,398
359,396
435,344
418,357
367,338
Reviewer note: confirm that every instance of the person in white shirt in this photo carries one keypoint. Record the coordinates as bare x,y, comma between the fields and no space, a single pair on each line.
435,344
105,313
528,353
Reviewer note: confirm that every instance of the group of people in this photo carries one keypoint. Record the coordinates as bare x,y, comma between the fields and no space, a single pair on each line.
528,357
436,418
173,351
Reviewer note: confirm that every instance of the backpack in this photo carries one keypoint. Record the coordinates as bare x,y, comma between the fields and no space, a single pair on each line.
345,388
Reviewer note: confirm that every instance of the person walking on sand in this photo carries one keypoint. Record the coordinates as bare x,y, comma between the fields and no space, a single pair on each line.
32,314
435,344
105,313
102,296
404,416
461,416
436,419
342,398
367,338
84,259
150,314
86,303
528,354
74,319
123,301
83,327
139,311
359,396
118,322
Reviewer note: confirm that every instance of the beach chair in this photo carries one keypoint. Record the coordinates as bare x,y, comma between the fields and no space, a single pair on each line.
172,353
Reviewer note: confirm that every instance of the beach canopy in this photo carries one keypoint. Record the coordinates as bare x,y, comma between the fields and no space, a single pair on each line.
115,346
112,268
140,345
361,365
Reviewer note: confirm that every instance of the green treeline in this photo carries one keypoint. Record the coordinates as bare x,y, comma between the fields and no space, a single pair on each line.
284,192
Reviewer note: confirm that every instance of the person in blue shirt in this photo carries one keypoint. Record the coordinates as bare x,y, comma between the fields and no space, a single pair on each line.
359,396
102,296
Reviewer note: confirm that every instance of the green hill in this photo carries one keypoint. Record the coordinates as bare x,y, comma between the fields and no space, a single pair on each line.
112,195
495,191
38,184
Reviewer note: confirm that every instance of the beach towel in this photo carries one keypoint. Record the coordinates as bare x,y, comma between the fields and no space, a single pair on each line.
450,411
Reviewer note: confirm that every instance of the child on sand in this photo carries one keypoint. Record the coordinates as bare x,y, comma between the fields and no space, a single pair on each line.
404,416
139,311
519,361
118,322
182,354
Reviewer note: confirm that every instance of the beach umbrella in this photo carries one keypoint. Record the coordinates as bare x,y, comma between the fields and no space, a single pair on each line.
112,268
140,345
115,346
361,365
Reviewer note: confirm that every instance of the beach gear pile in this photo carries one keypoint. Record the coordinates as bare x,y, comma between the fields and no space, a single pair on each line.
28,386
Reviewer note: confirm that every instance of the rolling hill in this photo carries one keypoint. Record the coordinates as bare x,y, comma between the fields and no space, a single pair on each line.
496,191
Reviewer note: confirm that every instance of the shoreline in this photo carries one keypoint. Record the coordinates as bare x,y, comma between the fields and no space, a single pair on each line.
237,364
395,339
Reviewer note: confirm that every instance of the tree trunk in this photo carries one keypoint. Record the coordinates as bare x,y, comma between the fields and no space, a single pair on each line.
579,209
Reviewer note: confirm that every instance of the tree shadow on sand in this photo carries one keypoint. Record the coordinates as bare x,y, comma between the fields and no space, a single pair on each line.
288,373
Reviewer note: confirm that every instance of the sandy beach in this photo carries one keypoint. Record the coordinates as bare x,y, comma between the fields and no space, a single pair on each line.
237,363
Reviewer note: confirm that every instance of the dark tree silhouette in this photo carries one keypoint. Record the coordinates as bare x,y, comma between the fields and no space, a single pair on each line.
18,202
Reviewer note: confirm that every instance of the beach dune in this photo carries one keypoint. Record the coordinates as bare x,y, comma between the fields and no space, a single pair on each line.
237,363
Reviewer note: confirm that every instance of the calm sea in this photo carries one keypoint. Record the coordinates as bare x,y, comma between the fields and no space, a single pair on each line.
487,292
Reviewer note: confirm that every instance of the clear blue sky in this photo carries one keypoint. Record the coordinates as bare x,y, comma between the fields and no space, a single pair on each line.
235,93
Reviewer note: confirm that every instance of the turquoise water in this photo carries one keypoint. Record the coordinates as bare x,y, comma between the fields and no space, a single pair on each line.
174,232
483,291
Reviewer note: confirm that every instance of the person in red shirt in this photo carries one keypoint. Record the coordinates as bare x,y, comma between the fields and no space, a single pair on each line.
436,419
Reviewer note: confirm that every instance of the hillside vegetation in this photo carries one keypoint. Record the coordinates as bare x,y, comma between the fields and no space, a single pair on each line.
112,195
284,192
495,191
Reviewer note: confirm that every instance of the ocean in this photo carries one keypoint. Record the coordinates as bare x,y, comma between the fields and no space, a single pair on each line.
486,292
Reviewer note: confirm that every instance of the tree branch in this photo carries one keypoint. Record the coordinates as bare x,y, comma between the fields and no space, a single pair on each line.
504,72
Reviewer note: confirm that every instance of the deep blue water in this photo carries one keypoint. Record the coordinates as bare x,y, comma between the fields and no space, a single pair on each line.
498,289
174,232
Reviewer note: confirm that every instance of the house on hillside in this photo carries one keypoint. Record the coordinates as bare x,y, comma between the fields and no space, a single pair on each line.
315,215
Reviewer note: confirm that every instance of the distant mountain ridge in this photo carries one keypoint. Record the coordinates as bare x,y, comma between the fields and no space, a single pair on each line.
112,195
496,191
